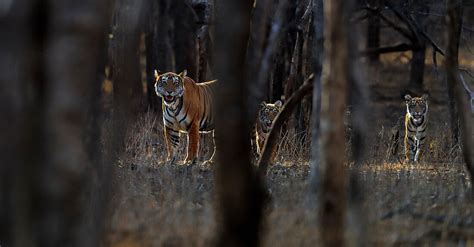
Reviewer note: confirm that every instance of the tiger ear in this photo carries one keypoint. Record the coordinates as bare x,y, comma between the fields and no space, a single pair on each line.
156,74
183,74
408,97
424,96
278,103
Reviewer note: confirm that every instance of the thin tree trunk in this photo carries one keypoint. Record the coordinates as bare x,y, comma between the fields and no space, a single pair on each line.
455,12
239,190
333,196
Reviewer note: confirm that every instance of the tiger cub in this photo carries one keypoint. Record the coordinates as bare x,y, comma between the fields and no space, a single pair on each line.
187,108
265,118
416,120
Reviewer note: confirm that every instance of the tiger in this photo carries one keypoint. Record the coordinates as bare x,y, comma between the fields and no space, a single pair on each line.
416,120
187,108
265,118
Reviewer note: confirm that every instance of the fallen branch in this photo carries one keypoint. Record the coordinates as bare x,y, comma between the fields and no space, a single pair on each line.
288,108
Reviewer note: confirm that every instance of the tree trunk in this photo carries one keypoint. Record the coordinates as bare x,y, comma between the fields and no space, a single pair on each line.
333,196
239,190
317,64
455,11
125,54
185,37
373,31
152,39
417,68
58,60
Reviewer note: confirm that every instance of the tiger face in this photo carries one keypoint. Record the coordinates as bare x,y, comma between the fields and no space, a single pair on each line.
268,113
169,86
417,107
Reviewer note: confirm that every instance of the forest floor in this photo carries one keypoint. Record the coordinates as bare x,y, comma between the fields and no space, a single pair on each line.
425,204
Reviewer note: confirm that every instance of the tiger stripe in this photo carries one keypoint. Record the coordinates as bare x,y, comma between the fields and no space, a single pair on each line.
187,108
416,121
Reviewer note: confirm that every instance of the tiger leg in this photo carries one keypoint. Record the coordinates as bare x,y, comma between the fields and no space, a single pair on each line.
214,147
193,143
172,143
260,143
409,148
418,150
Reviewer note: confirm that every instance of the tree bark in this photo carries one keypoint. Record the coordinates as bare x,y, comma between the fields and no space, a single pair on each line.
333,196
239,190
455,11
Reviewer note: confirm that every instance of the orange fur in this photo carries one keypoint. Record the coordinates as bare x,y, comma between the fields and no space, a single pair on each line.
188,113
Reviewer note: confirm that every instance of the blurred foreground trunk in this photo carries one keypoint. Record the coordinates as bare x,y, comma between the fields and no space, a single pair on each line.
54,51
239,190
455,13
333,196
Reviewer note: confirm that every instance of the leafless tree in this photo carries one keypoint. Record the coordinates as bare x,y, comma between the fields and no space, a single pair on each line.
239,190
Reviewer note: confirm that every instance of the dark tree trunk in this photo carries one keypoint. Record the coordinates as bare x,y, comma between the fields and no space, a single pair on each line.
417,65
333,196
373,31
185,37
417,68
125,45
455,13
152,41
239,190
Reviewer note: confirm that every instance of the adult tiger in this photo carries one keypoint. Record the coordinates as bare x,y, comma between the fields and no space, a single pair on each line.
187,108
416,120
265,118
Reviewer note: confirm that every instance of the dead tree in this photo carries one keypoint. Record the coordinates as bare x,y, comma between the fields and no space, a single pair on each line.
455,13
239,191
333,196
